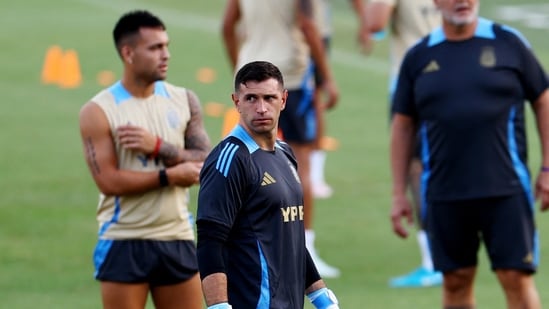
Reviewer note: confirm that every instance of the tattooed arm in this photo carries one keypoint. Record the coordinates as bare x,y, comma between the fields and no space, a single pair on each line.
101,156
197,142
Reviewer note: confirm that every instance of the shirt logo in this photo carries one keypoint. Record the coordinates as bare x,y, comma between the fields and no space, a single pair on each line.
174,121
431,67
488,57
267,179
292,213
529,258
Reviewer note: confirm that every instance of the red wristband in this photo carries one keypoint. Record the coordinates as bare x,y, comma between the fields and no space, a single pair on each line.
545,168
156,150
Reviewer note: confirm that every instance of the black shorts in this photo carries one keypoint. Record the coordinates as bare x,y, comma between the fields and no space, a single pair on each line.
504,224
145,261
298,120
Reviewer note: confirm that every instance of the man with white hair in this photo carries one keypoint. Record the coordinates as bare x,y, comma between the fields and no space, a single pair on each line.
463,88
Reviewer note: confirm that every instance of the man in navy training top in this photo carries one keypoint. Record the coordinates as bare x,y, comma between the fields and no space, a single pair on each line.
251,239
463,88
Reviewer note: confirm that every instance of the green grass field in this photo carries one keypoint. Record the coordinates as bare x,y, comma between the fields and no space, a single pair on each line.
47,206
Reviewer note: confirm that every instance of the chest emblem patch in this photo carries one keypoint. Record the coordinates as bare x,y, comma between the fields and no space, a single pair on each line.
173,119
488,57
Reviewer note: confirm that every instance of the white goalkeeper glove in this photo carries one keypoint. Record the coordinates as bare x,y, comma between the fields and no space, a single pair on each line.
323,299
220,306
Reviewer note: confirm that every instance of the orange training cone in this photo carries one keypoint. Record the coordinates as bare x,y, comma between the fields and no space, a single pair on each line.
206,75
71,76
105,78
329,143
214,109
51,69
229,121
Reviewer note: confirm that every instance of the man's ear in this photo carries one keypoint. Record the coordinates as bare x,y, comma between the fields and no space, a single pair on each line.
127,54
284,99
234,97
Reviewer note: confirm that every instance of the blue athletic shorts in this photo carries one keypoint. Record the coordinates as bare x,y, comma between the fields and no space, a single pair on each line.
504,224
298,120
145,261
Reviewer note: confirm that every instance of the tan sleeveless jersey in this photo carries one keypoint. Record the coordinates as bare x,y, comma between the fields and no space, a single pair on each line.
322,13
160,214
271,33
411,20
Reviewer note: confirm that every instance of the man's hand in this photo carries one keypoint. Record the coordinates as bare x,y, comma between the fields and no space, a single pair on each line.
184,174
136,138
542,189
364,39
332,93
401,209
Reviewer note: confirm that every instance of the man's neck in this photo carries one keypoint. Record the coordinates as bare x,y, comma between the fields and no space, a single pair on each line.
137,87
459,32
265,142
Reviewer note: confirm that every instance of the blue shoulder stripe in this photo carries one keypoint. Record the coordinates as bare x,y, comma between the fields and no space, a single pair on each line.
243,135
225,158
119,93
484,30
160,89
518,34
437,36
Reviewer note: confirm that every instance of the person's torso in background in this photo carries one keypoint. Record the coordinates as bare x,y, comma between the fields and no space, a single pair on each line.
411,20
159,214
323,17
270,33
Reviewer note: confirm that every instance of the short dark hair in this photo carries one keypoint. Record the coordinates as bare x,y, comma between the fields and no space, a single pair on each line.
257,71
130,23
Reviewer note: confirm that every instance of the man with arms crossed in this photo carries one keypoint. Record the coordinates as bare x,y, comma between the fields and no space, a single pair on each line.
463,87
144,143
251,240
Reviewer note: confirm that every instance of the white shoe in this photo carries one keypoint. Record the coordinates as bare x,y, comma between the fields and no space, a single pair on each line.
325,270
322,190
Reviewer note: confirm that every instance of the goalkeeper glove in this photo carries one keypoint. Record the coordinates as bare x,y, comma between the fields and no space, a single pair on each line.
323,299
220,306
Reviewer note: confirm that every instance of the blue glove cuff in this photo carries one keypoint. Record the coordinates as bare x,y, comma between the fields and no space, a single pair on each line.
220,306
323,299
